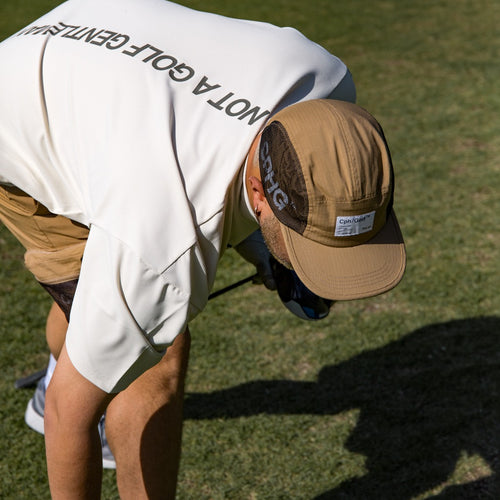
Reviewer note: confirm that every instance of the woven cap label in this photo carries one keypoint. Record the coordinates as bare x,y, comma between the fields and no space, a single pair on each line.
352,225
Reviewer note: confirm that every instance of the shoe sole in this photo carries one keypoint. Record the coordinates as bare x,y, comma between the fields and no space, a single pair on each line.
35,421
108,464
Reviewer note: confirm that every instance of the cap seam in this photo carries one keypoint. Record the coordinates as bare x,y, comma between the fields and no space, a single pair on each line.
342,122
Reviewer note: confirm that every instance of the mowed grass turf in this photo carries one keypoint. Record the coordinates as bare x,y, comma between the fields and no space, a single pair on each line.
392,397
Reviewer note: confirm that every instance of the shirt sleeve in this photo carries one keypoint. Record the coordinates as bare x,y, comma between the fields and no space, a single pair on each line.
124,313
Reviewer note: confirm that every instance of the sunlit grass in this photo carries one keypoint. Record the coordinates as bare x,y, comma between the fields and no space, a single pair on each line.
394,397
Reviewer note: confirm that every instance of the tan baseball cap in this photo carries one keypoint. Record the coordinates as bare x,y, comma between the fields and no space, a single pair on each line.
328,177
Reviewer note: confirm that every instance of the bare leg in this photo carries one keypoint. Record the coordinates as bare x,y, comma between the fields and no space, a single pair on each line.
55,329
144,422
73,407
144,427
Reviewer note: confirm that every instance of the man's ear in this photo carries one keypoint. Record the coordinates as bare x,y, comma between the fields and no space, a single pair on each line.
256,186
259,201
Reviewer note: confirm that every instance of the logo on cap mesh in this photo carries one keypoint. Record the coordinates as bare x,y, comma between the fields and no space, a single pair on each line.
282,178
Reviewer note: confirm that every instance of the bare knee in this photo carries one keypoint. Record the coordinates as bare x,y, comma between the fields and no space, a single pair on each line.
160,385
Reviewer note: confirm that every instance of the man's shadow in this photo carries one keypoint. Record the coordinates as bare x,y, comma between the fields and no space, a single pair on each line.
424,401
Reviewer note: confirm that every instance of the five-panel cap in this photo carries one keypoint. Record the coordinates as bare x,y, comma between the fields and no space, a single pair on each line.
327,174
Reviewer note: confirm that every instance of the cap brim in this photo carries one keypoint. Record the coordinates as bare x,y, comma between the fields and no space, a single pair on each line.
349,272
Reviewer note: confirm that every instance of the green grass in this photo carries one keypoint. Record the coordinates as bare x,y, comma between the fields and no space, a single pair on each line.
393,397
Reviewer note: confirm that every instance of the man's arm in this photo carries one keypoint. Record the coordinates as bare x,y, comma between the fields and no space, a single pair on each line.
72,410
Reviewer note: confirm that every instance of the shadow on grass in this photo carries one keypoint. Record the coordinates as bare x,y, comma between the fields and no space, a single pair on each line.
424,401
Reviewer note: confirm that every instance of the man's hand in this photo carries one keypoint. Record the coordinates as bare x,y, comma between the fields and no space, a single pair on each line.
72,410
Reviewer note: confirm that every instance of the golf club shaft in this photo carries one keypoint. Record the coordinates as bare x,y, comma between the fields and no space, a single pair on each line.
232,287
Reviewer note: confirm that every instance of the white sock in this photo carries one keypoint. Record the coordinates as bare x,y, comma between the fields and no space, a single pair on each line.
50,370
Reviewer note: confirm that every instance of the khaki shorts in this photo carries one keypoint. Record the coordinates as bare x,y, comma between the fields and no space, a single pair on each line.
54,244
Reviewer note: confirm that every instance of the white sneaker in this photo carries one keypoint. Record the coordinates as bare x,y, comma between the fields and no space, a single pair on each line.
35,409
34,419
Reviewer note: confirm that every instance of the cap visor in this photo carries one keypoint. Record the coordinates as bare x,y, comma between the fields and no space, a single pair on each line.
352,272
